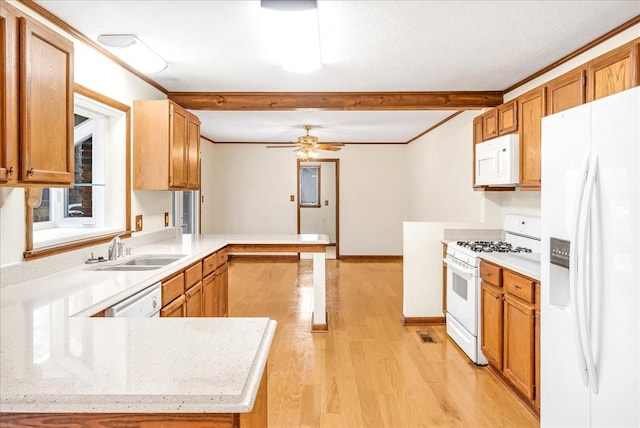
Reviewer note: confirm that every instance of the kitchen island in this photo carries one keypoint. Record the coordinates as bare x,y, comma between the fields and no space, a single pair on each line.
57,363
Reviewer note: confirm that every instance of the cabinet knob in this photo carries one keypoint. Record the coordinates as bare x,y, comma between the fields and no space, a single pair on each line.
10,171
30,171
516,286
498,297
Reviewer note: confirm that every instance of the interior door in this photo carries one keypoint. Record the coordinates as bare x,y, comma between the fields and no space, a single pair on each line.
322,218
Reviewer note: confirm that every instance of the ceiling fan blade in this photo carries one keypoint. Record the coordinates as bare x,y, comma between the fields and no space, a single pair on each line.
331,149
280,147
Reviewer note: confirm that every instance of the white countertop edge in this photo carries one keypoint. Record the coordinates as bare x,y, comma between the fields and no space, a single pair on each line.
128,403
525,267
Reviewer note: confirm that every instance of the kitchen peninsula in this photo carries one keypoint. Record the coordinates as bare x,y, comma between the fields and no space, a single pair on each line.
58,363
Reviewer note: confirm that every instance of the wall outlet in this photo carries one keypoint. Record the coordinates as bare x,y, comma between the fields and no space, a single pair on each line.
292,198
139,223
166,219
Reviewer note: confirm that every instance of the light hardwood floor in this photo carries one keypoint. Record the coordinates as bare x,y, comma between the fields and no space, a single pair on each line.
368,370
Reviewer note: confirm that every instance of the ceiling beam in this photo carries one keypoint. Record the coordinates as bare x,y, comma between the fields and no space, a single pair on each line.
261,101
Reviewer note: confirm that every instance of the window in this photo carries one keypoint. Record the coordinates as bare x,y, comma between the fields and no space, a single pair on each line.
186,212
310,186
100,145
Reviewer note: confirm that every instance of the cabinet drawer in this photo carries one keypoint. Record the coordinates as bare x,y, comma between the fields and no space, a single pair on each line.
491,274
172,288
209,264
222,257
193,274
519,286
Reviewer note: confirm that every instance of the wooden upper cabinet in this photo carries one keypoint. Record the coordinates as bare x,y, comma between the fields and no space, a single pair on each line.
164,146
36,99
531,111
477,130
507,117
8,97
46,105
193,153
490,124
613,72
566,91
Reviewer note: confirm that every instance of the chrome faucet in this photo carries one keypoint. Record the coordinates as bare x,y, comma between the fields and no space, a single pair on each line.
115,249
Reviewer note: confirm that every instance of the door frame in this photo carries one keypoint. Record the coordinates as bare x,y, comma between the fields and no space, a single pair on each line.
337,204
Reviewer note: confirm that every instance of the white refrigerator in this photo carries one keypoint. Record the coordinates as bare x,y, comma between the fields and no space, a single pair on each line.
590,264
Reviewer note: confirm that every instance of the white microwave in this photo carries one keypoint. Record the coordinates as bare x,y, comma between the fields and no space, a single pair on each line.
497,161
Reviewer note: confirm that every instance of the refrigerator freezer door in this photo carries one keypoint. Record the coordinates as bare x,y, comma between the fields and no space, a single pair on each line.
615,134
565,149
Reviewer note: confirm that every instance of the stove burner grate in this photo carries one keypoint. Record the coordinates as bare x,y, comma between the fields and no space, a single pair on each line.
492,246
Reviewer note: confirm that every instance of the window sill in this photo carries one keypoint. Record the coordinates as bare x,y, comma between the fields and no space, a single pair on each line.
64,235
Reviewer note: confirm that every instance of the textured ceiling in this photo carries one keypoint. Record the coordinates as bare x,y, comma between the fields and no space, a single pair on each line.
366,46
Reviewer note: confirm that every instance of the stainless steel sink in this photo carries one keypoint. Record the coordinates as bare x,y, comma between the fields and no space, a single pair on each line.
126,268
153,260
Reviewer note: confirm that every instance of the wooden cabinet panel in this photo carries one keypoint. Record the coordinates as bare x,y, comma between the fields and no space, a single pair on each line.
194,301
210,296
193,153
566,91
537,357
613,72
46,105
491,324
518,358
192,275
531,111
507,117
8,97
519,286
477,130
209,264
161,152
223,256
490,273
172,288
174,309
178,142
490,124
223,291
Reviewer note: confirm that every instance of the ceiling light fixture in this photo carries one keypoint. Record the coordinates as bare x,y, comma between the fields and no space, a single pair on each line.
134,52
294,33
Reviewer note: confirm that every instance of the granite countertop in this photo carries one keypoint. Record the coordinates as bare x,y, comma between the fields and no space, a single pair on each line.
54,358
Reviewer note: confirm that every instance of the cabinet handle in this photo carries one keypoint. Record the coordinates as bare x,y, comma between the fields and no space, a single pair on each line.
516,286
30,171
10,171
498,297
488,273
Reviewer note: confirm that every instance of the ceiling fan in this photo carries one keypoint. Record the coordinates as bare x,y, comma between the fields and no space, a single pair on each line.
307,146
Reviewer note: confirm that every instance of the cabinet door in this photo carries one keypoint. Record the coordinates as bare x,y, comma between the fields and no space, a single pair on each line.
193,158
490,124
566,91
530,126
178,126
477,138
223,291
46,105
194,300
174,309
491,324
8,97
518,358
537,359
508,117
613,72
210,295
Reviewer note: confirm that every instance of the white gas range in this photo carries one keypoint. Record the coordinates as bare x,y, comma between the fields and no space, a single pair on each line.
522,238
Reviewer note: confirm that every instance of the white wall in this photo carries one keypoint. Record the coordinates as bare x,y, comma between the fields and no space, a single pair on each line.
207,186
100,74
253,184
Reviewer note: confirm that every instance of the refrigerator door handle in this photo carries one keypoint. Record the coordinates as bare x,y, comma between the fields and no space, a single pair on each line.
574,273
584,276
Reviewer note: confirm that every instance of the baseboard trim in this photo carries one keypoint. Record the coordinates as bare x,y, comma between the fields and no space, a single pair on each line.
320,328
369,259
408,321
263,258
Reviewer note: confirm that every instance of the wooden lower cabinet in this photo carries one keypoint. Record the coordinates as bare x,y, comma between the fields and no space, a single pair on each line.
215,293
177,308
193,298
492,321
518,361
223,291
537,360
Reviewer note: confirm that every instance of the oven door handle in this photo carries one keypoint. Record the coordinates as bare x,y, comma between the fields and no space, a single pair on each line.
468,273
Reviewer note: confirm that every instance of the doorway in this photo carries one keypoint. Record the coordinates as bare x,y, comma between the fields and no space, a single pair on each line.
319,200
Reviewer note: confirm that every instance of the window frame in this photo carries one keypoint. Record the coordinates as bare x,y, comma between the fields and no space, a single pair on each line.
33,194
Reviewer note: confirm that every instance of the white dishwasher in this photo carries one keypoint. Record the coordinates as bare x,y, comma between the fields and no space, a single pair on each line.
144,304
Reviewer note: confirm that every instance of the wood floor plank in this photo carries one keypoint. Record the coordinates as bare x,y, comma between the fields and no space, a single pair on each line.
368,370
